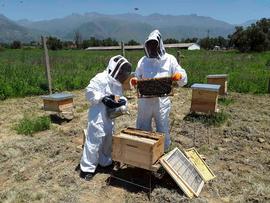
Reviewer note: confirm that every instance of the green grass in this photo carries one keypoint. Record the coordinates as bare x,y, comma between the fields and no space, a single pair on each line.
28,126
225,101
216,119
22,72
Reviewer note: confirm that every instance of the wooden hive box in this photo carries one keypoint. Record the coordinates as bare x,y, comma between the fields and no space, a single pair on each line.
204,98
138,148
58,102
219,79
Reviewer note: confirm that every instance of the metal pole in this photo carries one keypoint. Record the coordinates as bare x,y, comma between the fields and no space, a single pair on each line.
47,63
123,48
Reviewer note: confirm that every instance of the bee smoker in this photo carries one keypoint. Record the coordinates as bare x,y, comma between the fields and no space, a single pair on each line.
119,111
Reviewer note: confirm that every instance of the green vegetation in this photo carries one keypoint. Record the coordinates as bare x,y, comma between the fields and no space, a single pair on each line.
93,42
216,119
247,72
255,37
28,126
22,71
225,101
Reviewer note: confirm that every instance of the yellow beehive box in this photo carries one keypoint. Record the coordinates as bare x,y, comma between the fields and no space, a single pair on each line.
58,102
137,148
219,79
204,98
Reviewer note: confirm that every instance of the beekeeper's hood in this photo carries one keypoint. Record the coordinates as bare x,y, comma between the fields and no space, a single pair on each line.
119,68
153,46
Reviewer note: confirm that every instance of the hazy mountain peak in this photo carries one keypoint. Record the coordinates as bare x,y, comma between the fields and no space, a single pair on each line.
128,26
10,31
248,23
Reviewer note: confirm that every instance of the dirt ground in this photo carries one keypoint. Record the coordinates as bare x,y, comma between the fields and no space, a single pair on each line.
40,168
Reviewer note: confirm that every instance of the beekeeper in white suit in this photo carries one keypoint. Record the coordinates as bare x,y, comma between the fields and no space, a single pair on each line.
101,93
155,64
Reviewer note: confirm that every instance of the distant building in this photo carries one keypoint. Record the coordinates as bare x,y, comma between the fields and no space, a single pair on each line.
194,46
188,46
217,48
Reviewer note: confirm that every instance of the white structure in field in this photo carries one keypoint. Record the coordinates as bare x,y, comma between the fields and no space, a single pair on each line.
194,46
188,46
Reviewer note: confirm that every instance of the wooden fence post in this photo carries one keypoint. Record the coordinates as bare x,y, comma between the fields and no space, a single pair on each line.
179,57
269,85
47,63
123,48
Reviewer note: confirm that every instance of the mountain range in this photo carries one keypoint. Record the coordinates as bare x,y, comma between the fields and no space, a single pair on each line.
120,27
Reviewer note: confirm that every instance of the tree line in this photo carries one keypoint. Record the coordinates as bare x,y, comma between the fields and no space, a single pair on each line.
255,37
53,43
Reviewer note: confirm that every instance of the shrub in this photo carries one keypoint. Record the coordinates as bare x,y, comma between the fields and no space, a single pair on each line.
28,126
132,42
16,45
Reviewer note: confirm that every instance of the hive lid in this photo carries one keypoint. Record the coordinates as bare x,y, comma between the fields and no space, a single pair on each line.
58,96
142,133
217,76
208,87
136,138
183,172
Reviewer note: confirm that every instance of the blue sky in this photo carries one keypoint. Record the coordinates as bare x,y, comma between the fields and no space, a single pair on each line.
232,11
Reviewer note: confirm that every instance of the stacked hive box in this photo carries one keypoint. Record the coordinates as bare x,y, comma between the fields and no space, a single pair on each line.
204,98
219,79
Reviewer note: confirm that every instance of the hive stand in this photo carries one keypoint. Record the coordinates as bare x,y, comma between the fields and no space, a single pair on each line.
204,98
153,171
219,79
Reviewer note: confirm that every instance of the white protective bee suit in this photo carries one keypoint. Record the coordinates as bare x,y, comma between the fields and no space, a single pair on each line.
97,147
164,65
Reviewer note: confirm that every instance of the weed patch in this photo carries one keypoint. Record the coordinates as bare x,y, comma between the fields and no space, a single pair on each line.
225,101
216,119
28,126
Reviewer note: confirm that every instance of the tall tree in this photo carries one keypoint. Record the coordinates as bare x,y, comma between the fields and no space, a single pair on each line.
78,39
255,37
16,45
